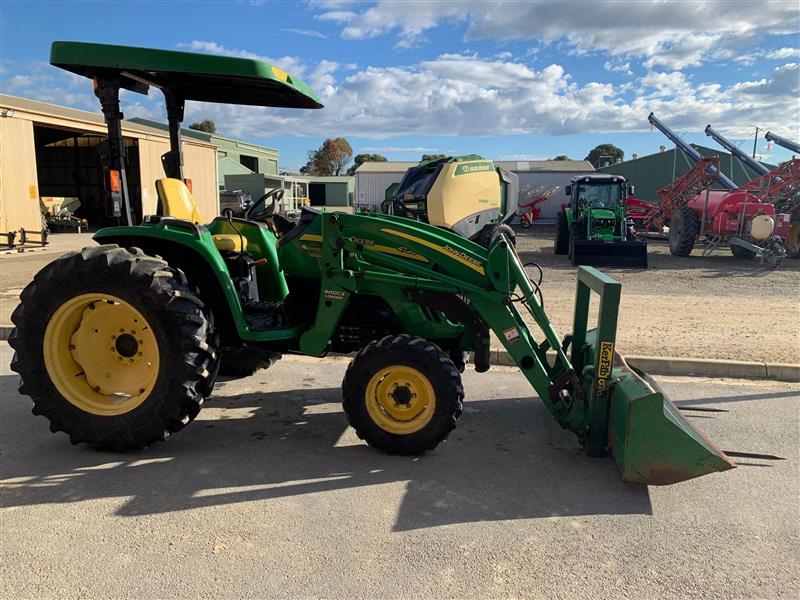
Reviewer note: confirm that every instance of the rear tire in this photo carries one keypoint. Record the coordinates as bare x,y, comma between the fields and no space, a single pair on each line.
561,239
106,392
740,252
683,229
402,395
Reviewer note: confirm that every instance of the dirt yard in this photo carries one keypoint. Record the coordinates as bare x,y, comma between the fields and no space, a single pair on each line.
714,307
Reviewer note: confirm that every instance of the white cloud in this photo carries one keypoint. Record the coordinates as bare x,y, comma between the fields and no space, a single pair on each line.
306,32
290,64
468,95
618,67
672,34
782,53
460,95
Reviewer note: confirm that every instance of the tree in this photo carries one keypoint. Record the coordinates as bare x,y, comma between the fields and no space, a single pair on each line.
426,157
561,157
609,150
329,159
206,125
360,159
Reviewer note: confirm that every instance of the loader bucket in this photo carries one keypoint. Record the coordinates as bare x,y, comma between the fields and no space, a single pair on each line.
652,442
610,254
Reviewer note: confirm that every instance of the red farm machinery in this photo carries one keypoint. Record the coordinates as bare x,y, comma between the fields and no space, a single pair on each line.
780,186
529,211
735,216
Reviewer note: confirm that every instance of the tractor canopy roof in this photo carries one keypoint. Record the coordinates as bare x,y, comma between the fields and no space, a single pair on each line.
203,77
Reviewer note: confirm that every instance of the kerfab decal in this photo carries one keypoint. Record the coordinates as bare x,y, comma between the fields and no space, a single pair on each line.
511,334
606,361
468,168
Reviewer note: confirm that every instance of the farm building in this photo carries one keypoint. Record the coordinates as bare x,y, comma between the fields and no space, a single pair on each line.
652,172
373,178
337,190
295,189
50,150
233,157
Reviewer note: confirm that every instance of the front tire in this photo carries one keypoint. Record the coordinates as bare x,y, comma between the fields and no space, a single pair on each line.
402,395
113,348
561,239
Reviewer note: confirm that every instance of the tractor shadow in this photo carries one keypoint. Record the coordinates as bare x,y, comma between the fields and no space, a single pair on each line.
506,460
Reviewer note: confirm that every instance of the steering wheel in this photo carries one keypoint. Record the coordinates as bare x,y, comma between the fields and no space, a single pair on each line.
276,195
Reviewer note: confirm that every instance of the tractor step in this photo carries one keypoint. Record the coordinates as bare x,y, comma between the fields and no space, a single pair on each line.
265,316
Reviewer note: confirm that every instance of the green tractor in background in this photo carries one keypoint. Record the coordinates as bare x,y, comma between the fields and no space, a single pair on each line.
466,194
118,345
594,229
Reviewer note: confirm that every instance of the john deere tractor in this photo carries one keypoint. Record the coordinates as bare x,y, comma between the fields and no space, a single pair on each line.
594,229
465,194
118,345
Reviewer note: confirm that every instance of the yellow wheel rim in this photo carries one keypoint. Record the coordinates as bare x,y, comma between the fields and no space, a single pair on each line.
400,399
101,354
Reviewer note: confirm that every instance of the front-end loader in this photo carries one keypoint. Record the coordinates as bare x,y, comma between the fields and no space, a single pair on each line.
466,194
594,228
118,345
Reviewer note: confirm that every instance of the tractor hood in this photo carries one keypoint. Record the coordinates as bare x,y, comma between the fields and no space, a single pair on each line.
602,213
202,77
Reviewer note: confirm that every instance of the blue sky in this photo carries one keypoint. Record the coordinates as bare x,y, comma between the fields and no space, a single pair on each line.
509,80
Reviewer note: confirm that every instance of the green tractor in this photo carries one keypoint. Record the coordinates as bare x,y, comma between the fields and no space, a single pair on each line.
593,229
118,345
466,194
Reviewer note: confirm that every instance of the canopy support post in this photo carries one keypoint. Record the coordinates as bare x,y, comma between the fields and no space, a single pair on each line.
173,160
107,91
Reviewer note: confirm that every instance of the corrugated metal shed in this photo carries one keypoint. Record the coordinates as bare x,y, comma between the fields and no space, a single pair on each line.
18,158
652,172
372,179
262,158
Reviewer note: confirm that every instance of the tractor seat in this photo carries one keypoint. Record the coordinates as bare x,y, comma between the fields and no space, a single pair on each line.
177,201
231,242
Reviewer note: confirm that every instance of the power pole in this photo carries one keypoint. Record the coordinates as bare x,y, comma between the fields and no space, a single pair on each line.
755,139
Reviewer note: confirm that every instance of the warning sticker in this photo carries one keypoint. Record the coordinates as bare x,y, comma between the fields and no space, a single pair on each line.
512,334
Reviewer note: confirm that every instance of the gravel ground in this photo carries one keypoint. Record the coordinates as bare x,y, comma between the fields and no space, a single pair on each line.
698,307
714,307
270,495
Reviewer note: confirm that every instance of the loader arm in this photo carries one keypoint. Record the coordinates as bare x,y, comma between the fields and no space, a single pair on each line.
595,394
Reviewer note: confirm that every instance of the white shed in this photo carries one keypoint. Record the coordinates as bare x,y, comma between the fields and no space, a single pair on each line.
546,174
372,179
